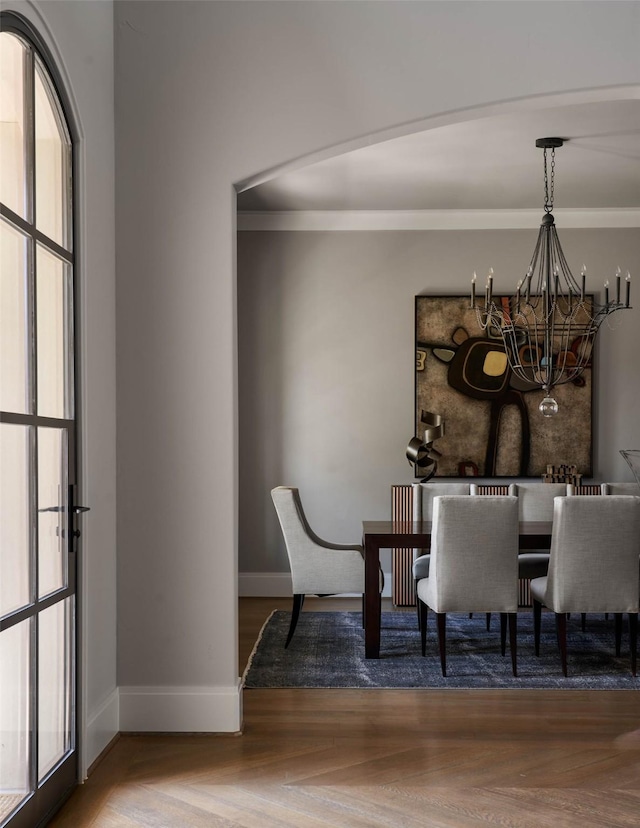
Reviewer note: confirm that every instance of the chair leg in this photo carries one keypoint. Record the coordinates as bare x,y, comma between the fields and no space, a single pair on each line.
633,639
513,628
423,610
537,615
298,601
488,619
561,630
442,640
415,592
583,617
618,630
364,609
503,633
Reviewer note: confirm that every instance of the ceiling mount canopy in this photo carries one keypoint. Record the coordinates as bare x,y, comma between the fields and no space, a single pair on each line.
549,325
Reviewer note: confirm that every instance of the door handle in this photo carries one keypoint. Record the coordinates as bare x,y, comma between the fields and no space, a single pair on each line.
78,510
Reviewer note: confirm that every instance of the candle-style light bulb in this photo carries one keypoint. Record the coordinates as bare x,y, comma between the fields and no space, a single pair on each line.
584,278
618,286
627,279
490,284
473,289
606,292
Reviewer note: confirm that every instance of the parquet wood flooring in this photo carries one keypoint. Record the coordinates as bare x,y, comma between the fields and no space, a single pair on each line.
364,758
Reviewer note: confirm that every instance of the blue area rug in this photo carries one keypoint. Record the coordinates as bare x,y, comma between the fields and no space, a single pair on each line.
327,650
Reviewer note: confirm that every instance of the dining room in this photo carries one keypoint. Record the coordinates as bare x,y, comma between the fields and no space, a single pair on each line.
370,285
389,379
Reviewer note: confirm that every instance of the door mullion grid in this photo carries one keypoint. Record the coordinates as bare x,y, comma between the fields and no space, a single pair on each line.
16,617
21,224
30,133
27,226
32,329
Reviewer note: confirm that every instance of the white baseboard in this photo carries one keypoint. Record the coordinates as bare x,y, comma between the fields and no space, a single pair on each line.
278,585
102,725
264,585
181,709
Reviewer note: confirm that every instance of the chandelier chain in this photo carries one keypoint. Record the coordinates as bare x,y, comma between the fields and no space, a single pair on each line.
549,181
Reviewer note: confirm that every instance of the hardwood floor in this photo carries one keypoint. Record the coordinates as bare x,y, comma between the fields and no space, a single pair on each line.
362,758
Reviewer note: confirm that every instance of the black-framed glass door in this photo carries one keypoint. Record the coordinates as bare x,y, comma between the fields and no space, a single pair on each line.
38,756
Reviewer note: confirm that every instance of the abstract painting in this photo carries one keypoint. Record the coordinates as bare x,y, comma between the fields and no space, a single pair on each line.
492,424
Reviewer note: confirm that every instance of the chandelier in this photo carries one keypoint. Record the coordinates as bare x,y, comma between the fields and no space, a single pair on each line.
549,326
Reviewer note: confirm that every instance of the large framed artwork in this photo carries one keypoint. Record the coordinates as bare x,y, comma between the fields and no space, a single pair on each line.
492,424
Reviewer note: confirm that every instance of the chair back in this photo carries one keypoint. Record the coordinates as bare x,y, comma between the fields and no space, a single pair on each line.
595,553
474,554
535,500
423,494
629,489
315,566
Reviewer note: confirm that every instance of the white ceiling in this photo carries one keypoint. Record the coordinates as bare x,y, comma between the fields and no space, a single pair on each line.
486,164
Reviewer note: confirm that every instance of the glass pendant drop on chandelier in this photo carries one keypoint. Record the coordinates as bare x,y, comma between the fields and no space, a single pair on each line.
549,325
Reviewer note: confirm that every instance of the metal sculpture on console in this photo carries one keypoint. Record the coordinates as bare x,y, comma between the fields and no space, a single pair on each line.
549,326
420,453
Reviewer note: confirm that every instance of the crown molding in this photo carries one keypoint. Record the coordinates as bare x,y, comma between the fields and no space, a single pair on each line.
354,220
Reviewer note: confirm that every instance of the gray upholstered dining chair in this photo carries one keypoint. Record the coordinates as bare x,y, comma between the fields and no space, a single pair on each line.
582,490
484,489
535,502
423,495
629,489
474,565
593,566
317,566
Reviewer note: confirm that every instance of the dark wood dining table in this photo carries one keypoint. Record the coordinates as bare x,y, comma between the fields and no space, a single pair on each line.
388,534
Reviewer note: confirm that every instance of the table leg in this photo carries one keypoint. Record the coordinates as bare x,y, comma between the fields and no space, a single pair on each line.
373,605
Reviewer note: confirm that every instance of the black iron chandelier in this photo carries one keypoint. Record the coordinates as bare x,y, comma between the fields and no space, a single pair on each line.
549,326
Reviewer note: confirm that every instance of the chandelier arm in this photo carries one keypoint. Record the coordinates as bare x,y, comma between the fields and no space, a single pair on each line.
565,348
564,265
533,264
534,267
540,374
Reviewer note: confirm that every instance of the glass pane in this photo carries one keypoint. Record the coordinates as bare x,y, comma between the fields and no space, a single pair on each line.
14,352
15,583
54,332
12,144
52,510
14,715
55,689
53,154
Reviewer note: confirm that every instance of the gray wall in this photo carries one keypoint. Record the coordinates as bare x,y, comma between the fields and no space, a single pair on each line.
326,364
